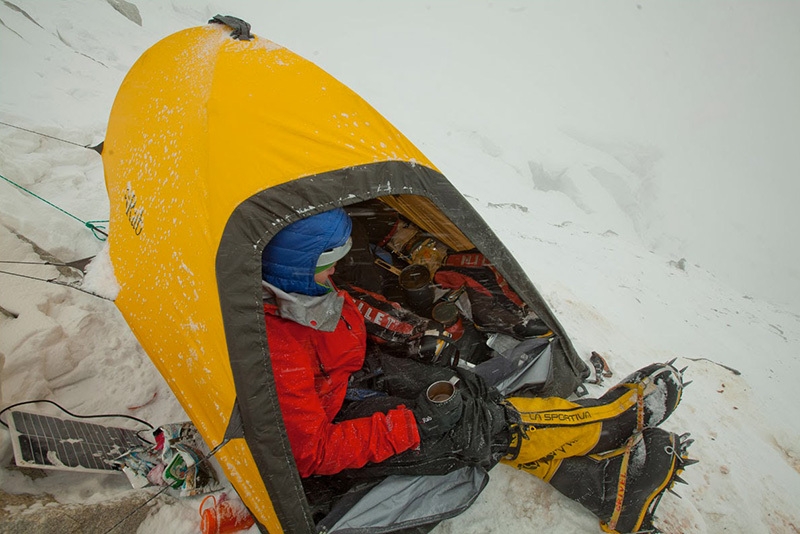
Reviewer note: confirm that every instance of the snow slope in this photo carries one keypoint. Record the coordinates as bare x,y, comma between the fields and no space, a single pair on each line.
637,158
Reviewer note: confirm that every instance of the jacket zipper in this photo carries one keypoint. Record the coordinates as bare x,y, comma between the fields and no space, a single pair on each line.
322,367
323,371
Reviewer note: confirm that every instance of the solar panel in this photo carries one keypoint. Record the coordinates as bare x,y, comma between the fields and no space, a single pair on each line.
51,443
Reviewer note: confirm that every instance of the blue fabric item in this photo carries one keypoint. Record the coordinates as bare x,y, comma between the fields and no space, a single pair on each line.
290,258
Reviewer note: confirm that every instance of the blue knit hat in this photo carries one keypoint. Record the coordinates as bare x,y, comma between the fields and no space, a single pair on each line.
291,258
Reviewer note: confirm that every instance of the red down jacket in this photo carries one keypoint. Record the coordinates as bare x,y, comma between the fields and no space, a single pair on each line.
311,370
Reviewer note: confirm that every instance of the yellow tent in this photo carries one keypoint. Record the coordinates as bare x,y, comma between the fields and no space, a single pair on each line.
215,142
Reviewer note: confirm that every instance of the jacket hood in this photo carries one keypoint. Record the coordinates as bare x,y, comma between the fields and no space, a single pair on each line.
320,313
290,258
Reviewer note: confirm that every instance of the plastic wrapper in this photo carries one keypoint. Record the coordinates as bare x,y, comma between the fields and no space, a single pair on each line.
176,460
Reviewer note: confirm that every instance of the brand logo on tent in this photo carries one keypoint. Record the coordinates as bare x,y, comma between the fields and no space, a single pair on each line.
135,214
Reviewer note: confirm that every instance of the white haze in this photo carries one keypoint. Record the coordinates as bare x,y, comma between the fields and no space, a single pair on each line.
603,141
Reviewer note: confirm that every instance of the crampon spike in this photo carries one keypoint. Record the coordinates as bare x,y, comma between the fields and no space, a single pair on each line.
671,361
679,480
687,383
683,370
689,461
674,493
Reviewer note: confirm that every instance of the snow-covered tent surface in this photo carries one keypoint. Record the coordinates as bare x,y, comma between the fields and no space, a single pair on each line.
214,144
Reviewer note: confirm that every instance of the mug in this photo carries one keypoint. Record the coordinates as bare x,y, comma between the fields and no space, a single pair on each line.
442,391
443,403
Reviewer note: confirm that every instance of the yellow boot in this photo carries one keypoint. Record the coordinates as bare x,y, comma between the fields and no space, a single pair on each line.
551,428
583,449
623,487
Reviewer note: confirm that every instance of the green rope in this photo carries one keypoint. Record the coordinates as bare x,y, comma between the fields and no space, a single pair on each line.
98,231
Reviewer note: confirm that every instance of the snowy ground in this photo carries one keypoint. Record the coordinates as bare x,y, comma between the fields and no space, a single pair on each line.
636,158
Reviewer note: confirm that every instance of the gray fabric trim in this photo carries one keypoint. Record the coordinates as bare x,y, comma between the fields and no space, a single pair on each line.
531,370
235,428
428,499
320,312
238,267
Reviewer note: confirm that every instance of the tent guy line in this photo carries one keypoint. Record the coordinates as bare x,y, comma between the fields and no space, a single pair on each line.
97,148
96,229
56,282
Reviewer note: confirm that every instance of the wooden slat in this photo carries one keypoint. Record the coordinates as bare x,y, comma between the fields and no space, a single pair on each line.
424,213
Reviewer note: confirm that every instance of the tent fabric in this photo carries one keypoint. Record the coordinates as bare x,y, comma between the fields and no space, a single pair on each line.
426,500
213,146
527,364
178,160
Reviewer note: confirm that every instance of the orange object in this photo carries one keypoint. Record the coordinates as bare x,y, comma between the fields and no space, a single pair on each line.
224,516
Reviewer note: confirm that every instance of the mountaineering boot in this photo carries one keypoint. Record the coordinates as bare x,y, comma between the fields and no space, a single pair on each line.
662,385
552,428
623,487
658,388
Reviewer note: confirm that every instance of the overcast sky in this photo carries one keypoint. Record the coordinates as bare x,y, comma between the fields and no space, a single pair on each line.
711,87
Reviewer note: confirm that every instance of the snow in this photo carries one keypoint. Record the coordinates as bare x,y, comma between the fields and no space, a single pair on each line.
638,158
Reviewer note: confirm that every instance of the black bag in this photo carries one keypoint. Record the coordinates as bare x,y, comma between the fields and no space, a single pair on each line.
495,306
387,322
402,332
